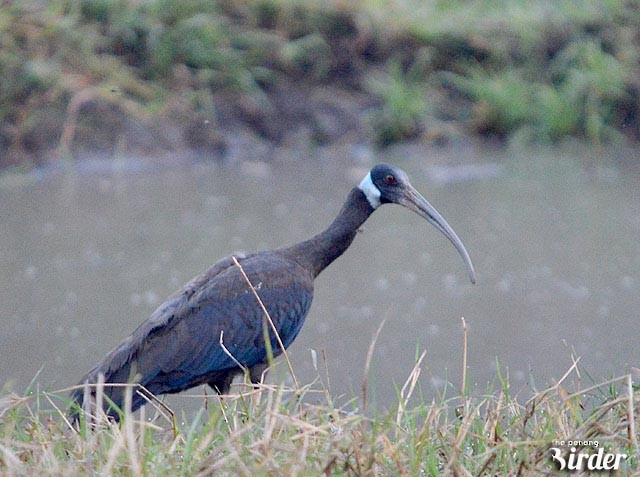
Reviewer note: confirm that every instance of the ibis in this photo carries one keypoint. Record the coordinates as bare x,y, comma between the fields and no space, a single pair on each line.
213,328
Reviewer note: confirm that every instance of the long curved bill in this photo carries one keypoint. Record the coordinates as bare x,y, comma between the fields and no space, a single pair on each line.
413,200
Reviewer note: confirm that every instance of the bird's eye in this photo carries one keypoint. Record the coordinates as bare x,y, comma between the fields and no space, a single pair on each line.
389,180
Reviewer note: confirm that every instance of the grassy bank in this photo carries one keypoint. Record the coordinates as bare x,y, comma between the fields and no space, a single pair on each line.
270,432
164,75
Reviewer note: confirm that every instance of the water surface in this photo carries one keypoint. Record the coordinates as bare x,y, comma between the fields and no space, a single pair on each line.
86,256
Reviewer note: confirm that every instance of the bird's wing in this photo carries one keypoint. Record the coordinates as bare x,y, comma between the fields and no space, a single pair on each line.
181,339
161,320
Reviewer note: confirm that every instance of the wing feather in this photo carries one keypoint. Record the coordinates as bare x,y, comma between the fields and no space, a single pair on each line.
179,344
175,309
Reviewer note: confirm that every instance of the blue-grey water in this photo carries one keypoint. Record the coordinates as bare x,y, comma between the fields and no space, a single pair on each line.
85,256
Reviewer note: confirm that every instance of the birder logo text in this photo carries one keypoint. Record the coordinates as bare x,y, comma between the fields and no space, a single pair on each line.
591,456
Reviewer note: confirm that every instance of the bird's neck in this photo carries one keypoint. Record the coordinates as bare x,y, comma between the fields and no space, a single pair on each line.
319,251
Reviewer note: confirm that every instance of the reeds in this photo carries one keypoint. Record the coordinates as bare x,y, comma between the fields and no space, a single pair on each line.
274,429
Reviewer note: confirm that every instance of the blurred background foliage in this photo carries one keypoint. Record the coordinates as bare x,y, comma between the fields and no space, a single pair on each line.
83,75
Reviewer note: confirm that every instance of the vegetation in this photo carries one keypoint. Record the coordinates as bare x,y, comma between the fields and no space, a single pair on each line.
269,431
113,75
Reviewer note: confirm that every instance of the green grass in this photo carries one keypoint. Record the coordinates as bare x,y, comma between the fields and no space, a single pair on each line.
403,104
277,430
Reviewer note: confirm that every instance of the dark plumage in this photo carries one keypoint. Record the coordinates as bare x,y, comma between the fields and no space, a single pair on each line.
178,347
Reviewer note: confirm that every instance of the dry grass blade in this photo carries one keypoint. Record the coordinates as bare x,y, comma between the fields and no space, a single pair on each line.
326,371
596,387
129,436
367,365
100,415
409,384
233,358
10,402
9,460
463,388
573,368
60,413
631,418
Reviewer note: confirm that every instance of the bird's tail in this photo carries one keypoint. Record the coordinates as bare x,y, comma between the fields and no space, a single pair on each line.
79,397
91,395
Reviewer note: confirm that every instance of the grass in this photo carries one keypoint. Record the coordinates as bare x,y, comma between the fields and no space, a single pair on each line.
403,104
301,431
543,70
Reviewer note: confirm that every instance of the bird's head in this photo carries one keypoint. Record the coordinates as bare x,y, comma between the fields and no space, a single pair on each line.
386,184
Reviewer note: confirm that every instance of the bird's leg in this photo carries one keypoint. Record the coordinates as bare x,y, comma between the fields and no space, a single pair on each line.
221,383
256,372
